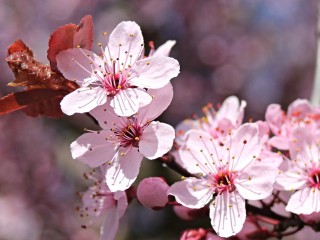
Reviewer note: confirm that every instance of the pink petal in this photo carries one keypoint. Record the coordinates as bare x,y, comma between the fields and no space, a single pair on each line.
245,146
192,192
279,142
128,102
199,151
228,214
124,170
75,64
305,201
291,180
83,100
110,225
233,110
161,99
156,140
154,72
299,108
122,202
93,149
256,181
164,49
152,192
125,40
105,116
275,118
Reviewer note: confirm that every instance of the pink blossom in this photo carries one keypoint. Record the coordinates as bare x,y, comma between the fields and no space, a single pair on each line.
152,192
100,203
228,171
300,114
194,234
302,173
124,141
120,75
218,123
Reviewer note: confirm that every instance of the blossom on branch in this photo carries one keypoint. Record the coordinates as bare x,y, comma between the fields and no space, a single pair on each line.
124,141
120,75
229,171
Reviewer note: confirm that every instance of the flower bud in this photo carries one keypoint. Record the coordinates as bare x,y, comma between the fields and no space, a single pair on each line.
152,192
193,234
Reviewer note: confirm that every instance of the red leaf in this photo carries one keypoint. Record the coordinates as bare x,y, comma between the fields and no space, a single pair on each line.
34,102
70,36
19,46
84,33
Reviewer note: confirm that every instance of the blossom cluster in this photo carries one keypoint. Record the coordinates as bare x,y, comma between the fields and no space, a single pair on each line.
227,165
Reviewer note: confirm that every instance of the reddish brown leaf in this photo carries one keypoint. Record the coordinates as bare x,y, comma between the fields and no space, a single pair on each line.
19,46
70,36
36,101
84,33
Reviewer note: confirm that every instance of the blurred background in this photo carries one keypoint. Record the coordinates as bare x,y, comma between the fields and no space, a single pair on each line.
262,51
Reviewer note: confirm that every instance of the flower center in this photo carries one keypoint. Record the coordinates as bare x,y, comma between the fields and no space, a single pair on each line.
130,134
223,181
113,83
314,178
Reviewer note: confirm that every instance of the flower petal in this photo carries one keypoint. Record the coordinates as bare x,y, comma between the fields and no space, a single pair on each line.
275,118
305,201
279,142
110,226
192,192
93,149
233,110
105,116
200,153
125,44
161,99
79,64
292,179
156,140
164,49
154,72
83,100
127,102
124,170
245,146
228,214
256,181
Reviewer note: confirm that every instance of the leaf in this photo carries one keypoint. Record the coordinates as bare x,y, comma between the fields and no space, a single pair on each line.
34,102
19,46
70,36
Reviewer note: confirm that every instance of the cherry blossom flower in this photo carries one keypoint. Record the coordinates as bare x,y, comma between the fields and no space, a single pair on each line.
124,141
302,173
300,114
120,73
99,203
228,171
217,123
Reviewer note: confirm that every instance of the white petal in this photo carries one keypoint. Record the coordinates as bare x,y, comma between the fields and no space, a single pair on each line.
110,226
154,72
124,170
200,153
192,192
125,40
233,110
164,49
156,140
106,116
127,102
161,99
83,100
93,149
256,182
79,64
305,201
292,179
279,142
228,213
245,146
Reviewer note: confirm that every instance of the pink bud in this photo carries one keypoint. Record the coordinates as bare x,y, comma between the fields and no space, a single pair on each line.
152,192
188,213
193,234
